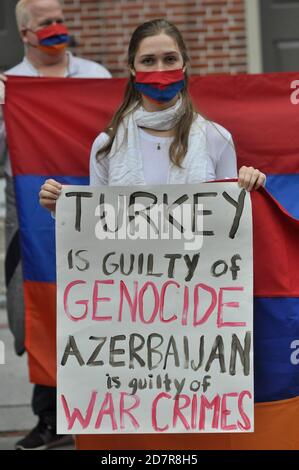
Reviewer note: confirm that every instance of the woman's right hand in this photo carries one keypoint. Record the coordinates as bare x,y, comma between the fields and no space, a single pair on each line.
49,193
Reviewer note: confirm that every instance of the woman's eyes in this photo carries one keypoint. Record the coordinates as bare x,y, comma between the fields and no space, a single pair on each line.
171,59
147,61
150,61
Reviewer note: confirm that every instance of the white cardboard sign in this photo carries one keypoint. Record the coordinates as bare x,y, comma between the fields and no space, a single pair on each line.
154,309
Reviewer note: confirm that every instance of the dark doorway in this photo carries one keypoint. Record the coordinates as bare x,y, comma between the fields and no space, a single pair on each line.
11,46
280,35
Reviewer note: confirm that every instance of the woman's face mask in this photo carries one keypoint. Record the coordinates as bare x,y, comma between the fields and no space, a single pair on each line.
160,86
52,39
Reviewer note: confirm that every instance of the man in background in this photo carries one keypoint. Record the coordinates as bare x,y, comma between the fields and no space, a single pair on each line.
45,37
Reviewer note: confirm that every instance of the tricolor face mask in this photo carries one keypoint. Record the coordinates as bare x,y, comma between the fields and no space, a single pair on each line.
162,86
52,39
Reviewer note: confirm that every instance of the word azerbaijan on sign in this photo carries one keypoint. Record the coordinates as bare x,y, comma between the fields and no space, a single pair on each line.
154,309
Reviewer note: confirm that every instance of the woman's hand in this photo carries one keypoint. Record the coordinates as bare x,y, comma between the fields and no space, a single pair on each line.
251,178
49,193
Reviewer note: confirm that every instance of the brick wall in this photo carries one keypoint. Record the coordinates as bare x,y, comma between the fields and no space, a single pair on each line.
214,30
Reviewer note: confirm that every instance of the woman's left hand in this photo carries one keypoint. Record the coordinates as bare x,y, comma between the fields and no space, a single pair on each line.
251,178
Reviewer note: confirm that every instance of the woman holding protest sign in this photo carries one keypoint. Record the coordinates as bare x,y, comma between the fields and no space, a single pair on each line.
156,136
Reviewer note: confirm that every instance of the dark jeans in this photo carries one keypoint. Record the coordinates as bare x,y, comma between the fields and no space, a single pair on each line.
44,403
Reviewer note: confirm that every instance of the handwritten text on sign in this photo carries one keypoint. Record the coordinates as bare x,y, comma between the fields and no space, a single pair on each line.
154,309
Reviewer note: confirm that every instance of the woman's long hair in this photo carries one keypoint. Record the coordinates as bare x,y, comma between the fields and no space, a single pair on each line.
179,146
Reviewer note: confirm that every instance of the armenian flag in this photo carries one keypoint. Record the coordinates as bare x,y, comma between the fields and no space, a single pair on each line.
51,124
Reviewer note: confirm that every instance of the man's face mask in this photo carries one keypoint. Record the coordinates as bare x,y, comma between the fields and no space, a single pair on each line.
52,39
160,86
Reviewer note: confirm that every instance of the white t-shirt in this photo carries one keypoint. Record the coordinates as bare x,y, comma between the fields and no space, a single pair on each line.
221,155
77,68
155,157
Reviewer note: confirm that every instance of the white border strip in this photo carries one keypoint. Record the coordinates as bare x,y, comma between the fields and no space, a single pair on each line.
254,38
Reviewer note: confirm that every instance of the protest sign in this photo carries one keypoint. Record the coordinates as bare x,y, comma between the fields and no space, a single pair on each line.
154,309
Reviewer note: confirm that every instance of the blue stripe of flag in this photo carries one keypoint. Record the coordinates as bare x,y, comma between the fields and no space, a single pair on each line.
59,39
38,227
160,95
285,188
276,354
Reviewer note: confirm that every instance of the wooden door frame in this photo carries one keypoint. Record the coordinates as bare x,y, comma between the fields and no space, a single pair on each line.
254,36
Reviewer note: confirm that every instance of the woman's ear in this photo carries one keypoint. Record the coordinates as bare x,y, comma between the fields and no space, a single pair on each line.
132,71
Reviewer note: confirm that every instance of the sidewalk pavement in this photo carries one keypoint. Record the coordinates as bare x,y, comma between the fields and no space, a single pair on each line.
2,214
2,197
16,417
15,392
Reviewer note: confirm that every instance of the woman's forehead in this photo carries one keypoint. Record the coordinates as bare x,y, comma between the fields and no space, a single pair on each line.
159,43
